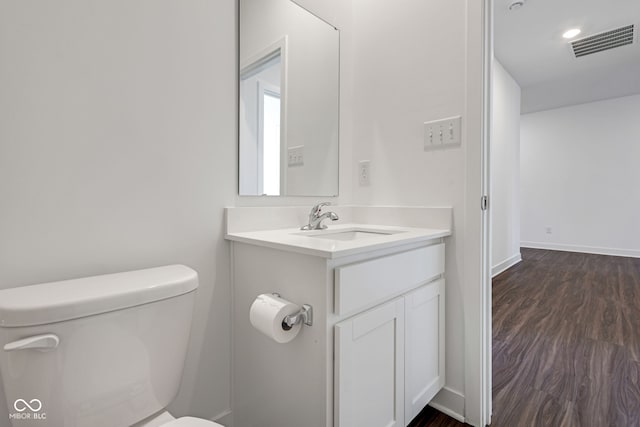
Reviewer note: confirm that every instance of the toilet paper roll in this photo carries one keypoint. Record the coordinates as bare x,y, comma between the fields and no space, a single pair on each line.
267,313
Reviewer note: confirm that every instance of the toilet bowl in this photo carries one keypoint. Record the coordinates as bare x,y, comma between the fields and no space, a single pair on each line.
101,351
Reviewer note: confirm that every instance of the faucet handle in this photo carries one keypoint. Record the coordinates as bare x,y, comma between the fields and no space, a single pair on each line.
317,208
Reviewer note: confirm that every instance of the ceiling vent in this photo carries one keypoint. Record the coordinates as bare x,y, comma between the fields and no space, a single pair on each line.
604,41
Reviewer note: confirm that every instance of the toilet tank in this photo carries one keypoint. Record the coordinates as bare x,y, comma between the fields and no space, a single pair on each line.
106,350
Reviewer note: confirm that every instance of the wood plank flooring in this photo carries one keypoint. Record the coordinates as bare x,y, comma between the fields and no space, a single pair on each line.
433,418
566,343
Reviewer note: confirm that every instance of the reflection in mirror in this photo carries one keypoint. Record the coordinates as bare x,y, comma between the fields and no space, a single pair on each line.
260,149
288,118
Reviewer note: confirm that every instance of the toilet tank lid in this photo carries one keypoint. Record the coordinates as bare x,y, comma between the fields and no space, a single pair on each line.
71,299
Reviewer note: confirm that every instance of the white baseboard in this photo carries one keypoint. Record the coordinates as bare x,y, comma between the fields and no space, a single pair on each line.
633,253
449,402
506,264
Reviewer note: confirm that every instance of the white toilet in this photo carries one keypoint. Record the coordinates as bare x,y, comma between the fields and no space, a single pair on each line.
103,351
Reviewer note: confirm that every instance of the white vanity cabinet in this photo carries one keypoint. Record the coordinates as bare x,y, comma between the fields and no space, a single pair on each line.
369,368
374,355
424,347
389,360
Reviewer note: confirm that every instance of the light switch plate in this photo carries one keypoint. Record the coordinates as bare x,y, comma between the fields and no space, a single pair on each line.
295,156
443,133
364,172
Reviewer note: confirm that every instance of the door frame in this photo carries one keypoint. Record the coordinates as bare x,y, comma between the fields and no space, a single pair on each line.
487,113
477,245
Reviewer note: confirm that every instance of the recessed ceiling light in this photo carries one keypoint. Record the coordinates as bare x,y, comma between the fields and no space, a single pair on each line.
571,33
516,4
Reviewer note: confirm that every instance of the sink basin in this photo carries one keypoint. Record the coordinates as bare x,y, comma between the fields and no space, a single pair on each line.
346,235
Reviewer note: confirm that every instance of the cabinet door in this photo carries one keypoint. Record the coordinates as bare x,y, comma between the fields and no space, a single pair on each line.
369,368
424,340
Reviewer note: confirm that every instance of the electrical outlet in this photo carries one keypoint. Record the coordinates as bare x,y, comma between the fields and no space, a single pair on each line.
442,133
295,156
364,172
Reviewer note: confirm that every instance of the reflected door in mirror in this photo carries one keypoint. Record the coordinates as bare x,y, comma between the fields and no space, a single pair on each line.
260,111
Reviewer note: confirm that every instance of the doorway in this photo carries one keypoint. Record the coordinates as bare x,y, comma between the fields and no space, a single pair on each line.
564,241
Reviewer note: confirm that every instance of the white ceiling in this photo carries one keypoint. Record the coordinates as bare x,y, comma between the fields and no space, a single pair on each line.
529,44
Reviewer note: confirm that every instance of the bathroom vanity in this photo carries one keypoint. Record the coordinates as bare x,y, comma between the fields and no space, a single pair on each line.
374,355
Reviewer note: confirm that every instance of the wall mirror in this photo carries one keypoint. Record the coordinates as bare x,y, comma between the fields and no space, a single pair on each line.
289,99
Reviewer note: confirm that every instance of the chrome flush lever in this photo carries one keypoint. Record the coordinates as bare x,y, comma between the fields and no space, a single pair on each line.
46,342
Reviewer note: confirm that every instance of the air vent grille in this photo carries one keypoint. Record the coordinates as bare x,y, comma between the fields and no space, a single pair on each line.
604,41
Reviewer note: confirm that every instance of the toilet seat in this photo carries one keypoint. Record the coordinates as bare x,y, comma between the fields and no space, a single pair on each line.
191,422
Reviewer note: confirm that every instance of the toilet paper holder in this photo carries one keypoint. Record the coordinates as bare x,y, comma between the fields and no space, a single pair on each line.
305,315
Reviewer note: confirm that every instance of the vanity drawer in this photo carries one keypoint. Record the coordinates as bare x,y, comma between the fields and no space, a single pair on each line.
370,282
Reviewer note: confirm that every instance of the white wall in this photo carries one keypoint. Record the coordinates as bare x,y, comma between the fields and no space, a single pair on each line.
505,170
413,64
117,152
580,177
582,88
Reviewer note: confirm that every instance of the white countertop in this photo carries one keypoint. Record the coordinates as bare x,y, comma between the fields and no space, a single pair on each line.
295,240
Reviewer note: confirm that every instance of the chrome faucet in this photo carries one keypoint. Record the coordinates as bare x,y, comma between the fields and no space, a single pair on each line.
316,218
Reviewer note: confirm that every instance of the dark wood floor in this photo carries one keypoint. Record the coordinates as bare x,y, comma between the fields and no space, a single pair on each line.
432,418
566,342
